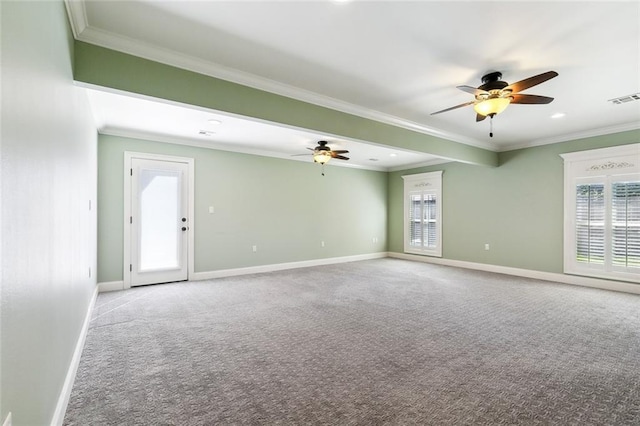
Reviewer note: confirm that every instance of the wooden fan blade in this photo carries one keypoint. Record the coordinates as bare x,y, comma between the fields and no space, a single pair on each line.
311,149
473,90
454,107
531,81
340,157
480,117
339,151
530,99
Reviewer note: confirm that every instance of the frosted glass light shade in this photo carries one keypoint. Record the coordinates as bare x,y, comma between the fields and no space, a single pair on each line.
321,157
492,106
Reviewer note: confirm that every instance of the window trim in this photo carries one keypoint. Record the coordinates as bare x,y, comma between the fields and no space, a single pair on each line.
605,165
423,183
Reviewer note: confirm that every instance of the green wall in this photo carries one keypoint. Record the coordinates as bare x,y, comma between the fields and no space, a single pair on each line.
517,208
48,179
108,68
284,207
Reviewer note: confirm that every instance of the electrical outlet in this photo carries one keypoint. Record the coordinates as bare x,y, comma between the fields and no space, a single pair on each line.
321,243
255,249
486,246
211,210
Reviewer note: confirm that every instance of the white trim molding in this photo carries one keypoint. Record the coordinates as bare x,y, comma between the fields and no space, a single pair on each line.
426,186
602,284
601,169
198,276
128,206
631,149
77,16
208,275
601,131
65,392
110,286
83,31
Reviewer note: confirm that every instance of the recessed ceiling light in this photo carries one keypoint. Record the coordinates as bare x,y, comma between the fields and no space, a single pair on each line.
214,122
393,155
558,115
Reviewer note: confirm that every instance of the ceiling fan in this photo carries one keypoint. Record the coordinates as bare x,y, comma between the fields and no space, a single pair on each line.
495,95
323,153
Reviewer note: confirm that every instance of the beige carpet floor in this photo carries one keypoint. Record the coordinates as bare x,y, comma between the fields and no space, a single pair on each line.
366,343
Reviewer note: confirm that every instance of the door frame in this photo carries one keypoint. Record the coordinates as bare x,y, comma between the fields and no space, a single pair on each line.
128,157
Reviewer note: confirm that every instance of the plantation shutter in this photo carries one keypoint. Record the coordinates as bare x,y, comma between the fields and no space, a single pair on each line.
415,220
423,220
429,221
625,218
590,223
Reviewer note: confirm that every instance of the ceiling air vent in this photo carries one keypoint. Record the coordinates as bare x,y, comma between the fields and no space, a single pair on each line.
625,99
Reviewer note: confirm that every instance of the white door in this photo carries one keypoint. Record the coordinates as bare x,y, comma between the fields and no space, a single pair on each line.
158,221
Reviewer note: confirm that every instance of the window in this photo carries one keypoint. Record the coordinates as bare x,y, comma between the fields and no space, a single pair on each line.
602,213
625,221
590,213
422,213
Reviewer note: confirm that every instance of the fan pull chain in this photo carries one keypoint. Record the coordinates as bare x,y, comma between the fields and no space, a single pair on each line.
322,169
491,126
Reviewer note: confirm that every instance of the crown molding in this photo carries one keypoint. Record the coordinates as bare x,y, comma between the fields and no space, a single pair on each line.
434,162
576,135
170,57
198,142
178,140
77,16
84,32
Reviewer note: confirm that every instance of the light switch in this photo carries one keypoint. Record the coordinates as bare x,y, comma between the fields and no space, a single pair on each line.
211,210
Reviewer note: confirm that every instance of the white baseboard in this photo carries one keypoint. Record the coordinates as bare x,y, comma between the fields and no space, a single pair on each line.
110,286
527,273
197,276
65,393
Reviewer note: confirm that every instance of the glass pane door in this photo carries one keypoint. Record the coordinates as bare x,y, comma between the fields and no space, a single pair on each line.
159,221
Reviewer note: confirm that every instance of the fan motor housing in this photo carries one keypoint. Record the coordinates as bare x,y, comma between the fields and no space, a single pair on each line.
493,81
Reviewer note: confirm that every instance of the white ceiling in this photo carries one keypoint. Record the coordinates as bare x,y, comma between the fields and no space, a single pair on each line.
153,119
393,61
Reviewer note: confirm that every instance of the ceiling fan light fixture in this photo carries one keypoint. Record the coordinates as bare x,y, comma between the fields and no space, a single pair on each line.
492,106
321,157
